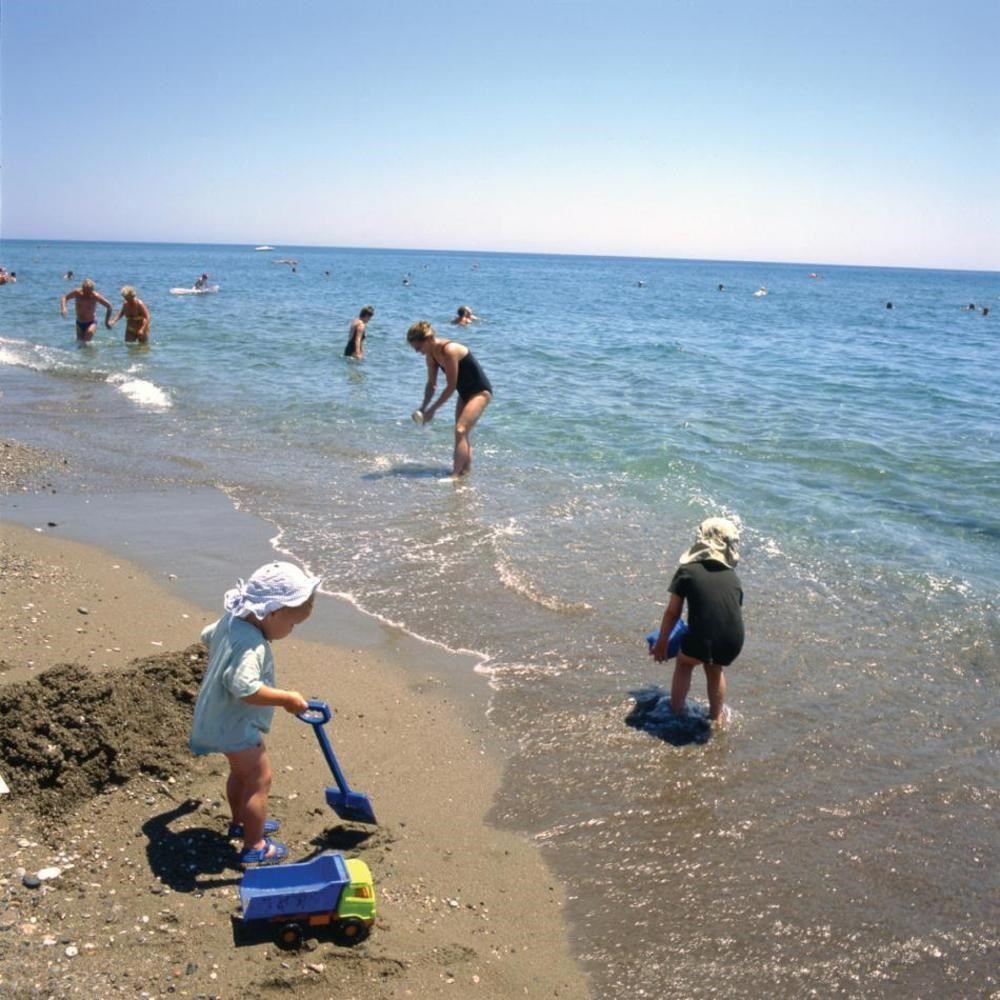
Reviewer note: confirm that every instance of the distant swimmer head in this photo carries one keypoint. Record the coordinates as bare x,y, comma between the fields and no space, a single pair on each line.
464,312
367,312
888,305
128,292
986,310
718,540
88,284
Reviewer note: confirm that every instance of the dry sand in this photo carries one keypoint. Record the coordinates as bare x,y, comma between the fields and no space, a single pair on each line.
93,746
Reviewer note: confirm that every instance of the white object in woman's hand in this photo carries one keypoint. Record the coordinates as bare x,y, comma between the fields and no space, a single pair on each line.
418,416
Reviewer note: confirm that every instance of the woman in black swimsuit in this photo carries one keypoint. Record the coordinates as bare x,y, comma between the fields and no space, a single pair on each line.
356,334
464,376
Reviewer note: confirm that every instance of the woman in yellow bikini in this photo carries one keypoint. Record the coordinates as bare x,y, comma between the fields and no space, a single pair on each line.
136,317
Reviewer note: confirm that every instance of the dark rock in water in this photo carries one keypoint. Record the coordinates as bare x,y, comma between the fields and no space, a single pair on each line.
652,714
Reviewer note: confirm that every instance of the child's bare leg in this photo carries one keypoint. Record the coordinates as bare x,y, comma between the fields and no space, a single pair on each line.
250,780
236,797
716,680
681,682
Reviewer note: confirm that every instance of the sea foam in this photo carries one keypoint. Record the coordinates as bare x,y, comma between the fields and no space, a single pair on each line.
145,394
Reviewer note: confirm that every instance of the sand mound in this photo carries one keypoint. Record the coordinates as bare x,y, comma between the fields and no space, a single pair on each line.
70,733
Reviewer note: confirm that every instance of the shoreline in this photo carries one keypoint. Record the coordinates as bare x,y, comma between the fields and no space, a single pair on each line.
142,526
452,889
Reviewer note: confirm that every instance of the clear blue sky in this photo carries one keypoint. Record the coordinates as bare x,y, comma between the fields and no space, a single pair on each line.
848,132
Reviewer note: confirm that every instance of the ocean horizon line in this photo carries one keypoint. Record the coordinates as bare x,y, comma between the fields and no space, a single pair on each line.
42,241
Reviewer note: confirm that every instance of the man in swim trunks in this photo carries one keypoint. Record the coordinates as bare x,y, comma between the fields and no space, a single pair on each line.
86,300
136,317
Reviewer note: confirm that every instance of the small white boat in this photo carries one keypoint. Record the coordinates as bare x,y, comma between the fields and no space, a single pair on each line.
263,248
761,292
205,290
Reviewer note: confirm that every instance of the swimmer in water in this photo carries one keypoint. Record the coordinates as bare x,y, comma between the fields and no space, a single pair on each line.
464,376
464,316
357,332
86,300
136,317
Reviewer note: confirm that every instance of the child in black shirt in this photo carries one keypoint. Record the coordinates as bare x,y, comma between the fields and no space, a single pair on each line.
706,580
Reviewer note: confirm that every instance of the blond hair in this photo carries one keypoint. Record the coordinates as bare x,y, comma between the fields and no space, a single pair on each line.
88,284
419,332
128,292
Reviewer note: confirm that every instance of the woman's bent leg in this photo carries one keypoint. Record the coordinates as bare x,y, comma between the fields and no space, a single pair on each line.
467,413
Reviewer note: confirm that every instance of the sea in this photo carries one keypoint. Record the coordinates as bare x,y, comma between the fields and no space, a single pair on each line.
839,836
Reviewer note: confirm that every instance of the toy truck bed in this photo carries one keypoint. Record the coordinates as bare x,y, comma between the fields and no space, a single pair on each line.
278,891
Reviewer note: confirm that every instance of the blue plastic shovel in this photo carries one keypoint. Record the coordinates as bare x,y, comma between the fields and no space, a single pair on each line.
347,804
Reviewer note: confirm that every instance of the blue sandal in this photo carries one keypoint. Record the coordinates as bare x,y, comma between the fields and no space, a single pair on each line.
236,829
272,853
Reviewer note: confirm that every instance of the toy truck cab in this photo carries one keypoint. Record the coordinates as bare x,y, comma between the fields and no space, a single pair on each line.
327,890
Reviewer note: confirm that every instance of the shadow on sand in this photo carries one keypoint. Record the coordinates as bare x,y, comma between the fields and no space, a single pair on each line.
181,860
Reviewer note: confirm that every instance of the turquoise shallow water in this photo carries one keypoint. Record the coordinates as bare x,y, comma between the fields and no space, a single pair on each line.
857,446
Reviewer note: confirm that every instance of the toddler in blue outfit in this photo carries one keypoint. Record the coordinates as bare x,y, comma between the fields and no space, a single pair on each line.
238,696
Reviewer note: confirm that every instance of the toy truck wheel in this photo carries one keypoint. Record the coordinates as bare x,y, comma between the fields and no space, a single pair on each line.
290,937
350,931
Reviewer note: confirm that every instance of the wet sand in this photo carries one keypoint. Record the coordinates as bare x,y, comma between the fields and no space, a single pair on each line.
96,688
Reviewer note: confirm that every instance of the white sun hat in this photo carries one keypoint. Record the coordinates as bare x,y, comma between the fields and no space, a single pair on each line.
275,585
718,540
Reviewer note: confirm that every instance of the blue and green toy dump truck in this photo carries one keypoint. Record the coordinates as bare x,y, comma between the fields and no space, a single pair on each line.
326,891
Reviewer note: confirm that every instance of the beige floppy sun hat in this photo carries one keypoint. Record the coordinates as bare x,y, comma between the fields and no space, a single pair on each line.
718,539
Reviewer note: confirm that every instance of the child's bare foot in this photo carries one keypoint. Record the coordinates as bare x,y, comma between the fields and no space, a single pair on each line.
721,721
